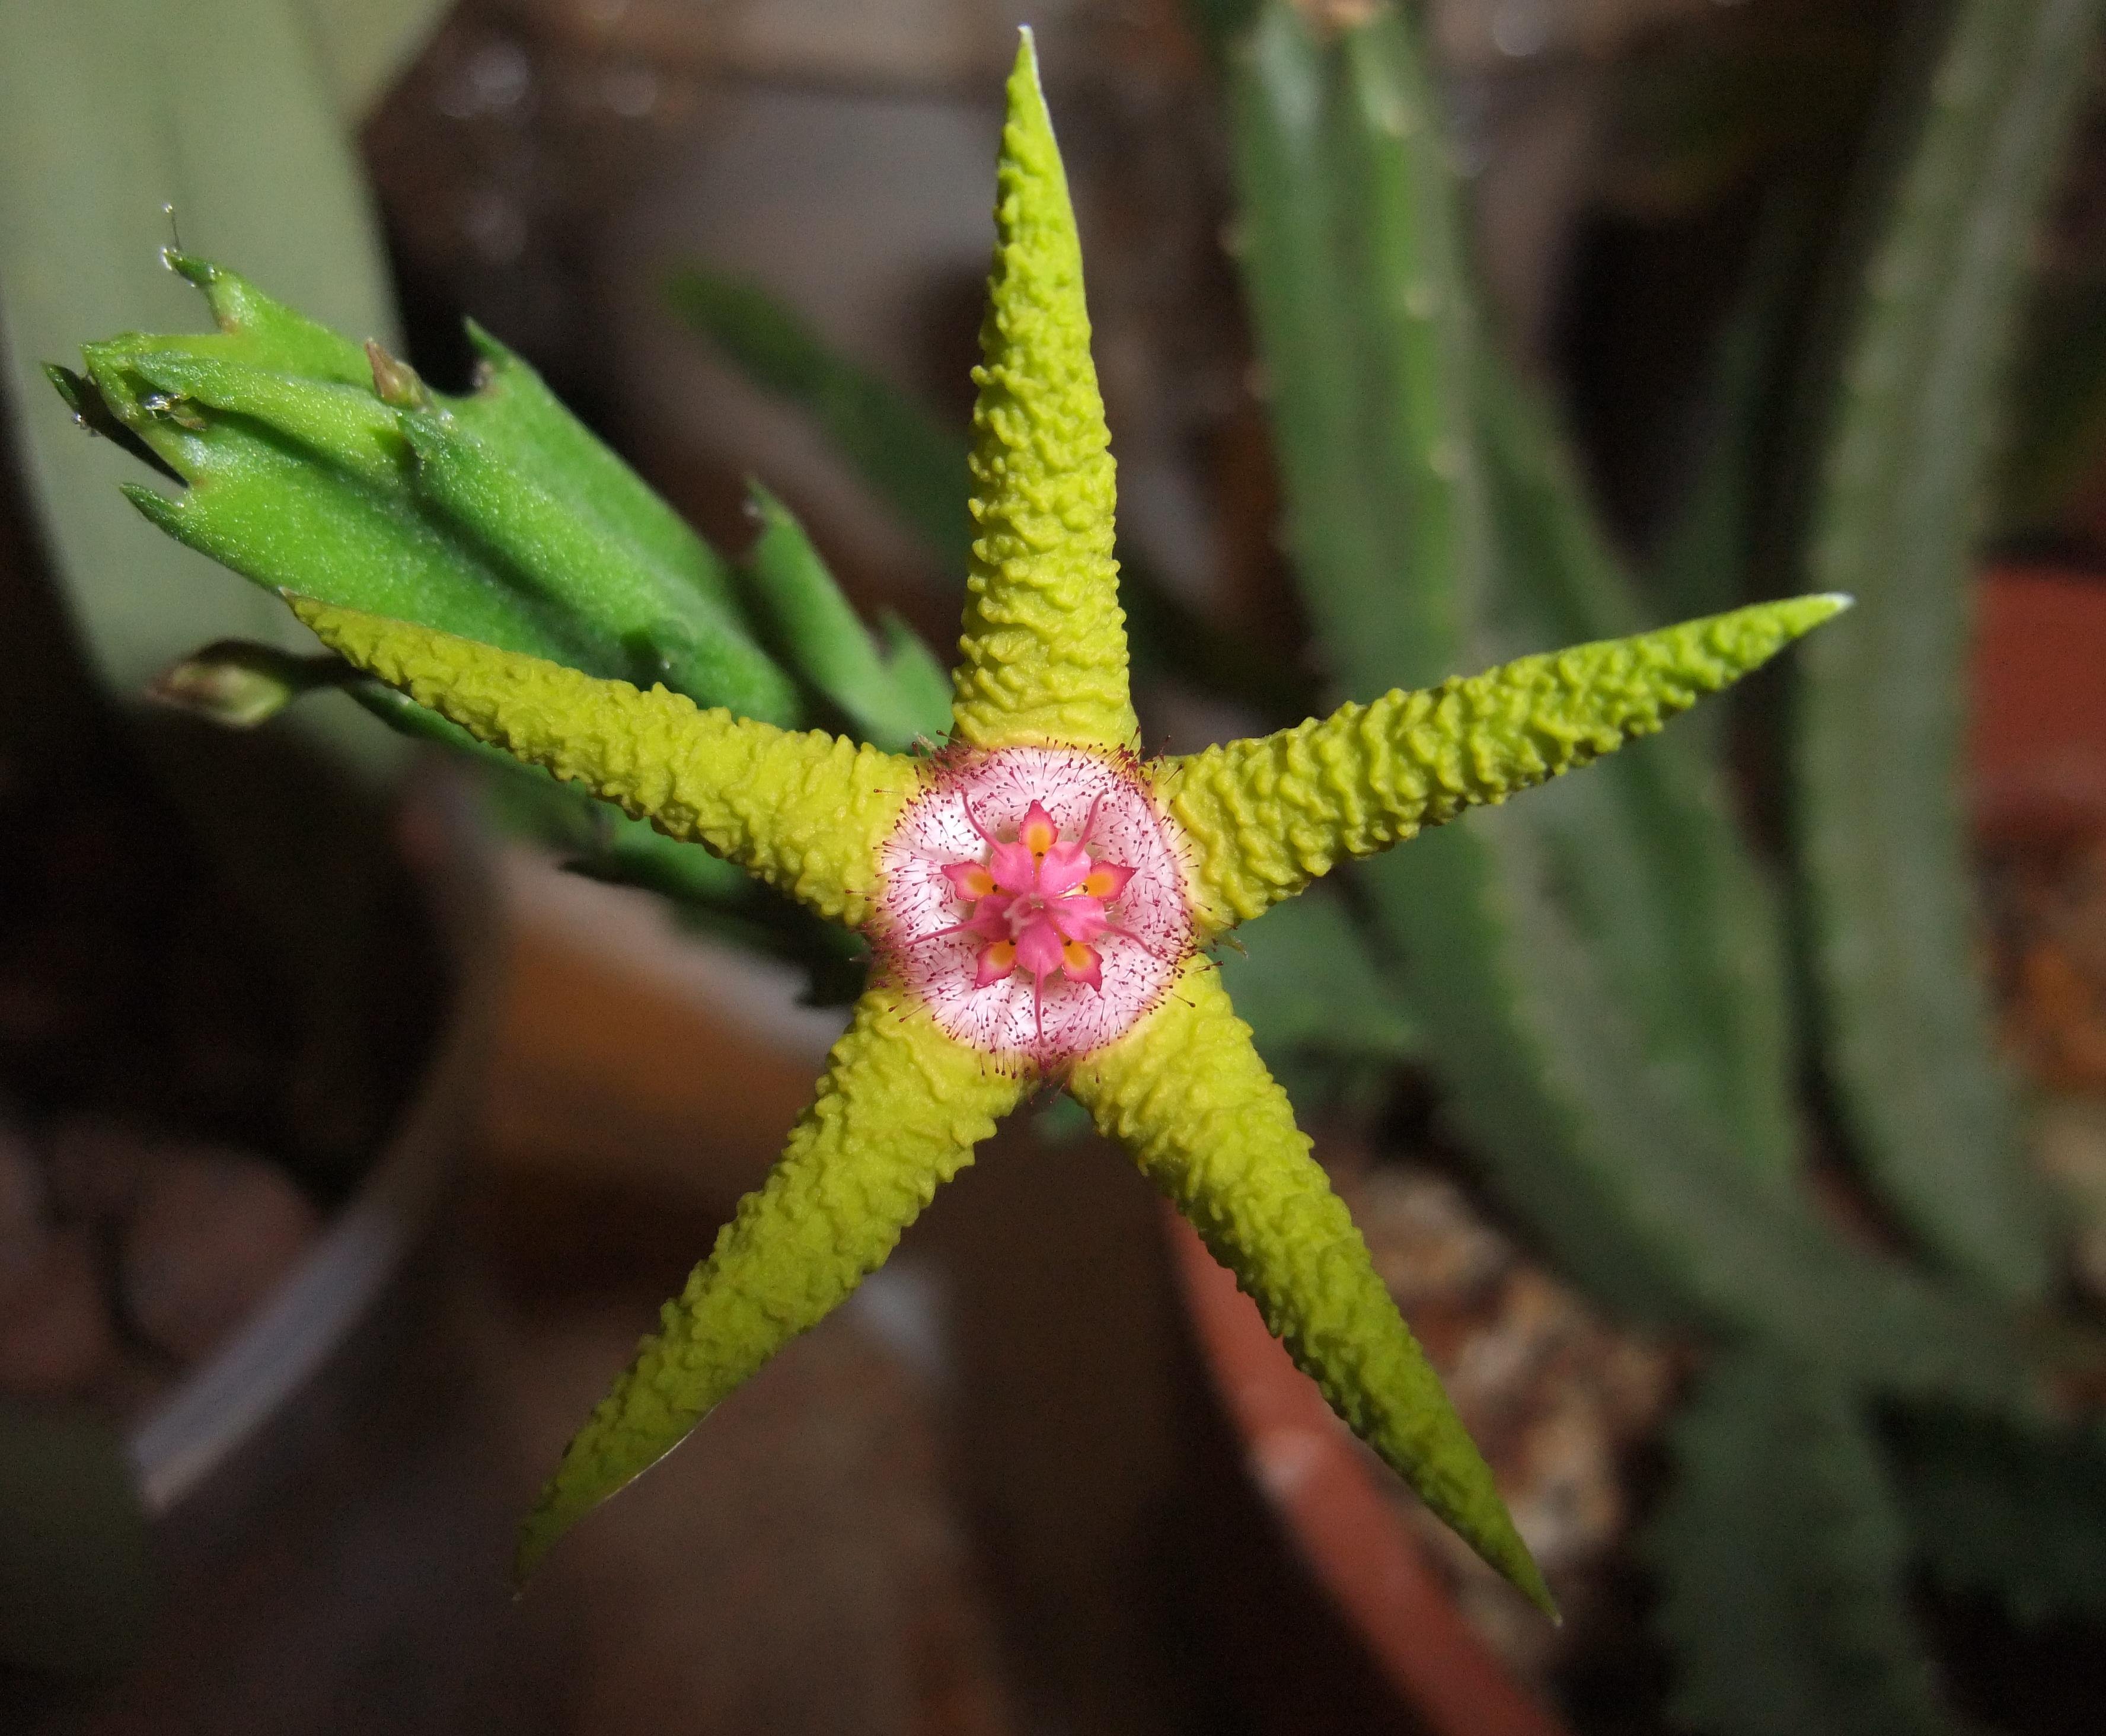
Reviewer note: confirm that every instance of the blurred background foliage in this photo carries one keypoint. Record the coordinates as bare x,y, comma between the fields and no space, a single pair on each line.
1431,335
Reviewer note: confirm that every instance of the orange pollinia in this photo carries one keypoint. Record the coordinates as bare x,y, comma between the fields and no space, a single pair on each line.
1040,898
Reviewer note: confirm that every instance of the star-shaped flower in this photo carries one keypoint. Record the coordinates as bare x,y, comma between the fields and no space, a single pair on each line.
1039,899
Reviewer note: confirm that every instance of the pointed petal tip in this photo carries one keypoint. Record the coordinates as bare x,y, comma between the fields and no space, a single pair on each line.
1027,84
1044,493
1799,616
1758,631
1527,1577
1500,1546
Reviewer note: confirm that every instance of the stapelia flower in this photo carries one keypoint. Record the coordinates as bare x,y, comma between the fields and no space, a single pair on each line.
1039,899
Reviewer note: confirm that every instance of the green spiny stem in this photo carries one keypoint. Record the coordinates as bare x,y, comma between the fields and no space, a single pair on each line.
1929,308
265,332
668,631
1348,355
513,408
1782,1561
1349,252
2016,1510
308,462
314,465
1646,1197
295,482
1682,918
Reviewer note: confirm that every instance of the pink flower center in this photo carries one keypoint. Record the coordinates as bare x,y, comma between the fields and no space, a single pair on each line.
1034,899
1037,902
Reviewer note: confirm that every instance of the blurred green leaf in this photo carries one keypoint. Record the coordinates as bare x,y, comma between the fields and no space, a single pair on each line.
1926,309
914,465
923,682
1644,852
1351,257
1350,249
1309,978
1415,506
109,110
817,633
1408,494
2060,391
2019,1512
1782,1563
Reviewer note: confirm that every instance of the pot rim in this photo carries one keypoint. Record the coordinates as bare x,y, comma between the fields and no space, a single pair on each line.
178,1445
1344,1526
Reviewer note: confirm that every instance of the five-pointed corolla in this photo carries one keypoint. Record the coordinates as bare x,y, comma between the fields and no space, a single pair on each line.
1034,900
1040,899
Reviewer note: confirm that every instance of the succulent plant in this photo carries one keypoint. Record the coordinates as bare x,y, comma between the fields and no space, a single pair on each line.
1599,978
1037,897
1615,990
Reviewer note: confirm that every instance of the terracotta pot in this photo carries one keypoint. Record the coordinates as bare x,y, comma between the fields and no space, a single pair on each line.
350,1378
2037,743
2038,749
1344,1526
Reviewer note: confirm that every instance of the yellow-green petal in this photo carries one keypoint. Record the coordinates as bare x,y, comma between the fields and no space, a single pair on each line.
804,811
1264,817
1186,1092
1043,657
899,1111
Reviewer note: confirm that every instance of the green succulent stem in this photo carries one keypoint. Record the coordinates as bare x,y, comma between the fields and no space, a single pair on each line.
1927,306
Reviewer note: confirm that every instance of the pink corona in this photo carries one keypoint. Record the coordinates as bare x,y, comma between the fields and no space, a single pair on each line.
1035,900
